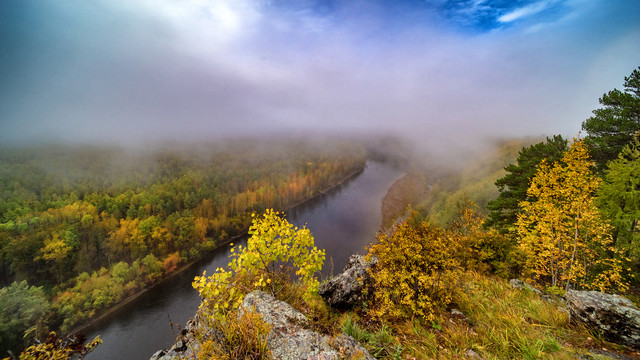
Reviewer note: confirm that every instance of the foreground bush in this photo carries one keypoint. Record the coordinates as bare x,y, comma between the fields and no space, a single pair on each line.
417,271
276,253
55,348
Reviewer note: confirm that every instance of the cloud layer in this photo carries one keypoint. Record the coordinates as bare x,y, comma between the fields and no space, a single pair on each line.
440,71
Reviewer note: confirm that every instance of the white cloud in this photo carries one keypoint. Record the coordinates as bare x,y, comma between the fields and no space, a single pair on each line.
524,11
207,23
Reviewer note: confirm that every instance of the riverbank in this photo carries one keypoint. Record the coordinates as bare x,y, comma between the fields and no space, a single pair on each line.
410,190
87,325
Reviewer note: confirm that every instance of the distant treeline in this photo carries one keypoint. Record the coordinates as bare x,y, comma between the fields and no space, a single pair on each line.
91,225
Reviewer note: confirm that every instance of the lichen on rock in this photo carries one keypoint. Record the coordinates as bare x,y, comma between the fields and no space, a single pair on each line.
615,316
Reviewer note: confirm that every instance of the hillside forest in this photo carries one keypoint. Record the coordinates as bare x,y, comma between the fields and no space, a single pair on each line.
559,213
83,227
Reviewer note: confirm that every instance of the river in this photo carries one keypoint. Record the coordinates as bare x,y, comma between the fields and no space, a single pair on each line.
343,221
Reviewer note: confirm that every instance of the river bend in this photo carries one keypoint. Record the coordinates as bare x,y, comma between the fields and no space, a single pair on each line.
343,221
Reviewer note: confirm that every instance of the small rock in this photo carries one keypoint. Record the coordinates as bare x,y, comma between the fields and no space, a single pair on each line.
519,284
345,290
157,355
350,348
459,317
470,354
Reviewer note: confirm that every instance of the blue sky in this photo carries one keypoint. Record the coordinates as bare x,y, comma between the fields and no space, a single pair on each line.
437,71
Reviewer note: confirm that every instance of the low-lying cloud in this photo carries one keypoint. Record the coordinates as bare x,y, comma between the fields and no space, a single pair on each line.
147,70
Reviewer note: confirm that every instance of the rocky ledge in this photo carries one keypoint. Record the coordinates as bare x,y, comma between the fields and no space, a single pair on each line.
289,338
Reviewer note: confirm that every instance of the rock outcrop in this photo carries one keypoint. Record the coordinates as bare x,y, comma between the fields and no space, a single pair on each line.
345,290
186,346
291,339
615,316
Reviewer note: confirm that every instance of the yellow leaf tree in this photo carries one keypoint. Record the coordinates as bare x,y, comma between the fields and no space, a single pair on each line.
565,240
276,253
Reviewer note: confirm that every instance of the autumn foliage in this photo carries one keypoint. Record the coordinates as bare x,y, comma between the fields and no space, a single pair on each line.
417,271
564,238
56,348
275,253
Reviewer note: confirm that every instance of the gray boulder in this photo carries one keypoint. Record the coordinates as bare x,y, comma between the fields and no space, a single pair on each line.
615,316
345,290
290,338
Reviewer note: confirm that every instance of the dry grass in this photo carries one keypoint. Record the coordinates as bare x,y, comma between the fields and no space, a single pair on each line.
503,323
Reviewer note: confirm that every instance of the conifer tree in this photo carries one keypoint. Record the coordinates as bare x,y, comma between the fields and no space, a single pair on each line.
612,127
619,199
503,211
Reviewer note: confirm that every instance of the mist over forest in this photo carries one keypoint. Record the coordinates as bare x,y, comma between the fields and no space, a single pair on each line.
445,75
139,136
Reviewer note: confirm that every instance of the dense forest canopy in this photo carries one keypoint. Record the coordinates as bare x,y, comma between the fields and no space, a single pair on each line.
83,227
88,225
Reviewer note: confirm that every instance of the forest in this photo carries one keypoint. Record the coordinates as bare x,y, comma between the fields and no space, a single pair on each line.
561,214
83,227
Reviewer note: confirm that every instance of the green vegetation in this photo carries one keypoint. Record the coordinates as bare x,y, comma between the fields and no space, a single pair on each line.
22,307
504,210
93,225
619,200
612,127
555,222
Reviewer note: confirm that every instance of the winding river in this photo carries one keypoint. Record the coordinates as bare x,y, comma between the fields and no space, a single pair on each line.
343,221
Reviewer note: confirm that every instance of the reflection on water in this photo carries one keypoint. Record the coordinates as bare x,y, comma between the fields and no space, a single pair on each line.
343,222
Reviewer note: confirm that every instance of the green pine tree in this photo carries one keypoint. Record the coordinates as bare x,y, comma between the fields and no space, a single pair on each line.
619,199
612,127
503,211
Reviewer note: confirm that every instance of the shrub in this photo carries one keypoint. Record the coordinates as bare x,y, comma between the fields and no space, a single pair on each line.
417,271
55,348
275,252
480,249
